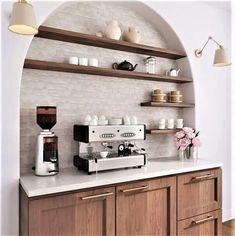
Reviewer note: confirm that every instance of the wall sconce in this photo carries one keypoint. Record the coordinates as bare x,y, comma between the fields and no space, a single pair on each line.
221,57
23,20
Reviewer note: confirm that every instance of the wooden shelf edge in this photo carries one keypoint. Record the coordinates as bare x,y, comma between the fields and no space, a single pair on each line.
64,67
162,131
167,104
92,40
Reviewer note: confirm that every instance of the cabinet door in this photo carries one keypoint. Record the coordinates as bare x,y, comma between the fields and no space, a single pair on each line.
204,225
146,208
86,213
199,192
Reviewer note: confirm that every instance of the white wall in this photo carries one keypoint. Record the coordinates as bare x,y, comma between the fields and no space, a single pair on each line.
193,22
14,49
233,116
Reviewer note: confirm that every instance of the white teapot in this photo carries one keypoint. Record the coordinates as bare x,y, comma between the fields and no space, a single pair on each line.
132,35
112,30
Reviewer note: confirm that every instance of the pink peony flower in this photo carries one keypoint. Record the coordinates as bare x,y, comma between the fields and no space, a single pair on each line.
180,134
188,130
196,142
190,135
184,143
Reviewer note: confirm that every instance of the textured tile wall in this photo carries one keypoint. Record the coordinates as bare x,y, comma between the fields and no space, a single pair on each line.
76,95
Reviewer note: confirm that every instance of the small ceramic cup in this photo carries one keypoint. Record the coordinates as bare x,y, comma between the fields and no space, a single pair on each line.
179,123
134,120
93,62
170,124
104,154
73,60
83,61
162,124
127,120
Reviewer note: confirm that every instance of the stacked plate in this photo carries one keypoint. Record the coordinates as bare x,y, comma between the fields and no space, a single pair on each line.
175,96
158,96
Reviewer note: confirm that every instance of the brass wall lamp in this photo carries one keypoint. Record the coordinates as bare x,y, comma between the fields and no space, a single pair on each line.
22,19
221,57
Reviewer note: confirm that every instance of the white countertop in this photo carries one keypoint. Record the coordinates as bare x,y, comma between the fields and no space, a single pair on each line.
71,179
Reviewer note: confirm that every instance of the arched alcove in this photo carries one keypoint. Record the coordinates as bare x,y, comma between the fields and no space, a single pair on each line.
76,95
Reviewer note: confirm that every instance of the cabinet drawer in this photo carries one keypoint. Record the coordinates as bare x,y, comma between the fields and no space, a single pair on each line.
208,224
146,208
198,193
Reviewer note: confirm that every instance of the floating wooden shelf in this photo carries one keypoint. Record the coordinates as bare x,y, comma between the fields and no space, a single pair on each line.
92,40
162,131
63,67
166,104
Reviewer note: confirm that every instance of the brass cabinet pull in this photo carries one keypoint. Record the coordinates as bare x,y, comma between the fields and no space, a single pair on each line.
134,189
97,196
202,177
208,218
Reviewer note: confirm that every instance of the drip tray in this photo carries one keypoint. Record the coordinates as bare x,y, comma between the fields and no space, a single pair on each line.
96,163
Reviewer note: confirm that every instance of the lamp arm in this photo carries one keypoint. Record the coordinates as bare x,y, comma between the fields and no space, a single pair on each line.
198,52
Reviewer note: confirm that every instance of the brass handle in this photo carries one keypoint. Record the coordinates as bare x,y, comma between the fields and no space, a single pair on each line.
196,222
202,177
134,189
97,196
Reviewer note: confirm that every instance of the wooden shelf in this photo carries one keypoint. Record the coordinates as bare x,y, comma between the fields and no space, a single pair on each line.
167,104
92,40
63,67
162,131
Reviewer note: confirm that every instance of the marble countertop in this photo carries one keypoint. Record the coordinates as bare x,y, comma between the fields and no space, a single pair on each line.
70,179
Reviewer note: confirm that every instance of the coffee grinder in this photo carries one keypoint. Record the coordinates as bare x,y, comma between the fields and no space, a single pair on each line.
46,159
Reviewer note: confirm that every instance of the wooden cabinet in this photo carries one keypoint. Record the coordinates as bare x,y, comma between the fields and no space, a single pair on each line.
146,208
85,213
203,225
199,192
139,208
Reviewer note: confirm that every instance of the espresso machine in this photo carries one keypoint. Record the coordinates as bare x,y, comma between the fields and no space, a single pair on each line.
127,154
46,159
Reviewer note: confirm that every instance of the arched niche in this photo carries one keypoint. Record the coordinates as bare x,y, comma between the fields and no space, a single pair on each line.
77,95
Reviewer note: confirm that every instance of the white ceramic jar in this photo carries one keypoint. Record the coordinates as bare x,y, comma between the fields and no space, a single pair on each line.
170,123
162,124
179,123
73,60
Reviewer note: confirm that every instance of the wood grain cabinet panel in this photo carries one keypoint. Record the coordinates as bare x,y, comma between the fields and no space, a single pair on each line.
85,213
208,224
198,193
146,208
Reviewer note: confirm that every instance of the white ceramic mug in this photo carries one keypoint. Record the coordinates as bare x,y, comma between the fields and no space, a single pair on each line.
73,60
83,61
162,124
134,120
179,123
170,124
127,120
93,62
104,154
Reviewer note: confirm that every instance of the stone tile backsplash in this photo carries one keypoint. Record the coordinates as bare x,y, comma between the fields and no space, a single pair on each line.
76,95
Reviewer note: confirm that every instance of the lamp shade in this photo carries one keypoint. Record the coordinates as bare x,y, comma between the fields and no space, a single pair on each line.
222,57
23,20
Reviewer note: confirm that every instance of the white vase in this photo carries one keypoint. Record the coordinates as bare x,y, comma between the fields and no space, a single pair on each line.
112,30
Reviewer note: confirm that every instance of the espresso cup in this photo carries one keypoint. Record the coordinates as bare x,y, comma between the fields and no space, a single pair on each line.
104,154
